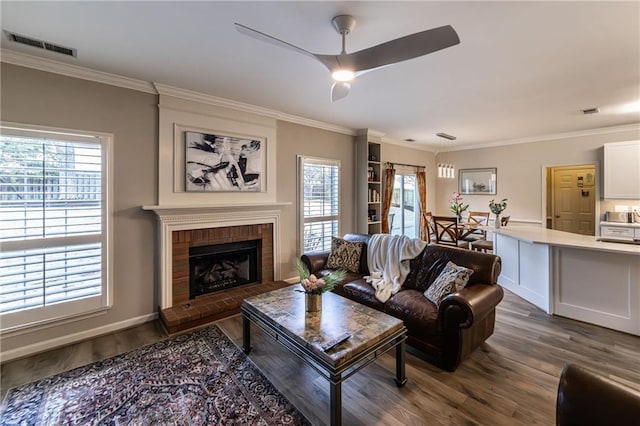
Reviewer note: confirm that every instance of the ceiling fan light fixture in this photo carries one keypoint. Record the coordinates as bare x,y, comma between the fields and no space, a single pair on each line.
339,90
343,75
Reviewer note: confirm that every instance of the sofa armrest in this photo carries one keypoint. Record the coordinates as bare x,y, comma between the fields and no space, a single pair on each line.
586,397
315,261
470,304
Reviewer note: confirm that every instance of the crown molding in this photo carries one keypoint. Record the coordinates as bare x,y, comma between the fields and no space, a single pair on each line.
69,70
550,137
370,132
190,95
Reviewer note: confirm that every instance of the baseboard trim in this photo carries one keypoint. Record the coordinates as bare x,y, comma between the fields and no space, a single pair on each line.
46,345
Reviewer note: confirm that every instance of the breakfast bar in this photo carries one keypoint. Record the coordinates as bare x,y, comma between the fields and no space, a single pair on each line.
571,275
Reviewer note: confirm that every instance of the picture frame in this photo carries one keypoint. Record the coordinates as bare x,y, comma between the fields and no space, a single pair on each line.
218,162
478,181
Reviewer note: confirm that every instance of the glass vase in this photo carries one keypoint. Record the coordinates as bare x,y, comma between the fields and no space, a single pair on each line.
312,302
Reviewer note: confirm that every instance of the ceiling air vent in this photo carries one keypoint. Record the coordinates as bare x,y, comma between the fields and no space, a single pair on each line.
17,38
591,110
446,136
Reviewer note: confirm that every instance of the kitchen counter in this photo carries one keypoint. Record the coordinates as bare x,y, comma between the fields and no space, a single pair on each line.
623,224
572,275
539,235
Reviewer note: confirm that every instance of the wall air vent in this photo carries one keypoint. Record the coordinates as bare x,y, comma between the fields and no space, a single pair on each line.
52,47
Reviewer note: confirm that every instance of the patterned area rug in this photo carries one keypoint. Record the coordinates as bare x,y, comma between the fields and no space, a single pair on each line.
199,378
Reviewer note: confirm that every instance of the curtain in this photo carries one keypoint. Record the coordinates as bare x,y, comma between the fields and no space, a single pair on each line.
422,196
389,177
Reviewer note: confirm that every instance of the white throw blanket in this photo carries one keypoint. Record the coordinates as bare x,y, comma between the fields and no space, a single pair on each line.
388,257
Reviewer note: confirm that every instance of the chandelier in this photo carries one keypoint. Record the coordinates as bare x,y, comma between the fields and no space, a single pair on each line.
446,170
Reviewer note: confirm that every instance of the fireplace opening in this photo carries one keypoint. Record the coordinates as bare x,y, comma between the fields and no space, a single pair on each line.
222,266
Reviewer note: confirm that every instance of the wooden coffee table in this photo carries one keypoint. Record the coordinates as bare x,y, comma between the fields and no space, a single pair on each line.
281,314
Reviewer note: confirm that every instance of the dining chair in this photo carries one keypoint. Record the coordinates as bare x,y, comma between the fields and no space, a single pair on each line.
447,231
428,217
472,231
487,245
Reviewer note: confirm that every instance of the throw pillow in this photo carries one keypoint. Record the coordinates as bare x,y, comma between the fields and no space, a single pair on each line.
452,278
344,255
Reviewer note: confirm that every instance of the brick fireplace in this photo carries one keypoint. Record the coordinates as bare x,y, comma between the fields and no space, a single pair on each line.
184,228
184,240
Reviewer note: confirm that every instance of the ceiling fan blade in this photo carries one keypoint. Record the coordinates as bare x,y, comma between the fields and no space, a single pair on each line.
269,39
327,60
401,49
339,90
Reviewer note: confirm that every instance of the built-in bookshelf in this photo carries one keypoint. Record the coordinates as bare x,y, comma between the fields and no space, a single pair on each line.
369,184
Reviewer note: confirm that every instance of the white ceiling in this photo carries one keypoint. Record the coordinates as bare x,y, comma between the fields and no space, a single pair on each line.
521,70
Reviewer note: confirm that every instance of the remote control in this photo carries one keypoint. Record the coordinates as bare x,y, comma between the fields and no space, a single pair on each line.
335,342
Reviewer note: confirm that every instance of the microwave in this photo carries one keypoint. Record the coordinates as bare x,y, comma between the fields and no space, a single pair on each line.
621,217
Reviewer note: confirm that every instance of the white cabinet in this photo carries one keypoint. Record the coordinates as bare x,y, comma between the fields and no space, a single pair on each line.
594,282
597,287
525,269
622,170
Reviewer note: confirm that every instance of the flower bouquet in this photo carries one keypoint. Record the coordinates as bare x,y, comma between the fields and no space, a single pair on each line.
497,208
457,207
311,284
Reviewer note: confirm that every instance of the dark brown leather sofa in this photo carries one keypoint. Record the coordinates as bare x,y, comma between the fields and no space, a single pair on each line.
447,334
588,398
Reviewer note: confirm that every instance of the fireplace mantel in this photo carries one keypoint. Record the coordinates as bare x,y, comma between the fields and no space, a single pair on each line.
179,210
197,216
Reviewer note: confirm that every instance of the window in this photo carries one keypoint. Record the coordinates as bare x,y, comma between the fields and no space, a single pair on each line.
403,219
319,181
53,226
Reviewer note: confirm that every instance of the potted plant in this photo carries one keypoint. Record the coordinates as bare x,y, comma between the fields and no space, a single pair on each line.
497,208
457,207
313,287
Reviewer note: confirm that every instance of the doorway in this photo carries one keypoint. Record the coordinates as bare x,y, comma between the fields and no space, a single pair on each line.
402,216
571,199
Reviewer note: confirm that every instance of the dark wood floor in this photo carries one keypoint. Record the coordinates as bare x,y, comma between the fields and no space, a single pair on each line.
512,379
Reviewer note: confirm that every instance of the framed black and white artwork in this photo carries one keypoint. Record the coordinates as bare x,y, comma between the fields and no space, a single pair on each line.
216,162
477,181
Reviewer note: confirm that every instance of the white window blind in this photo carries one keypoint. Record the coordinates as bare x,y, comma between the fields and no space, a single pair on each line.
319,202
53,226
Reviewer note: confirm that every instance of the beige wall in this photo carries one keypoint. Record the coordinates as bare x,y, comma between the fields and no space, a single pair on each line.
294,140
520,170
401,154
35,97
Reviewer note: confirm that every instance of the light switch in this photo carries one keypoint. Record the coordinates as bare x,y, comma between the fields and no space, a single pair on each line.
618,208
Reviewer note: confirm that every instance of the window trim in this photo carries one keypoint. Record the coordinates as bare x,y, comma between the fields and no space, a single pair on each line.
13,323
302,160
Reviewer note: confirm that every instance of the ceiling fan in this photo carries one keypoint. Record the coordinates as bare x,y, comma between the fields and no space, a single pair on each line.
346,66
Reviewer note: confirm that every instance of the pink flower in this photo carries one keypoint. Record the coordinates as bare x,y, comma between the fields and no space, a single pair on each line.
312,284
456,197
